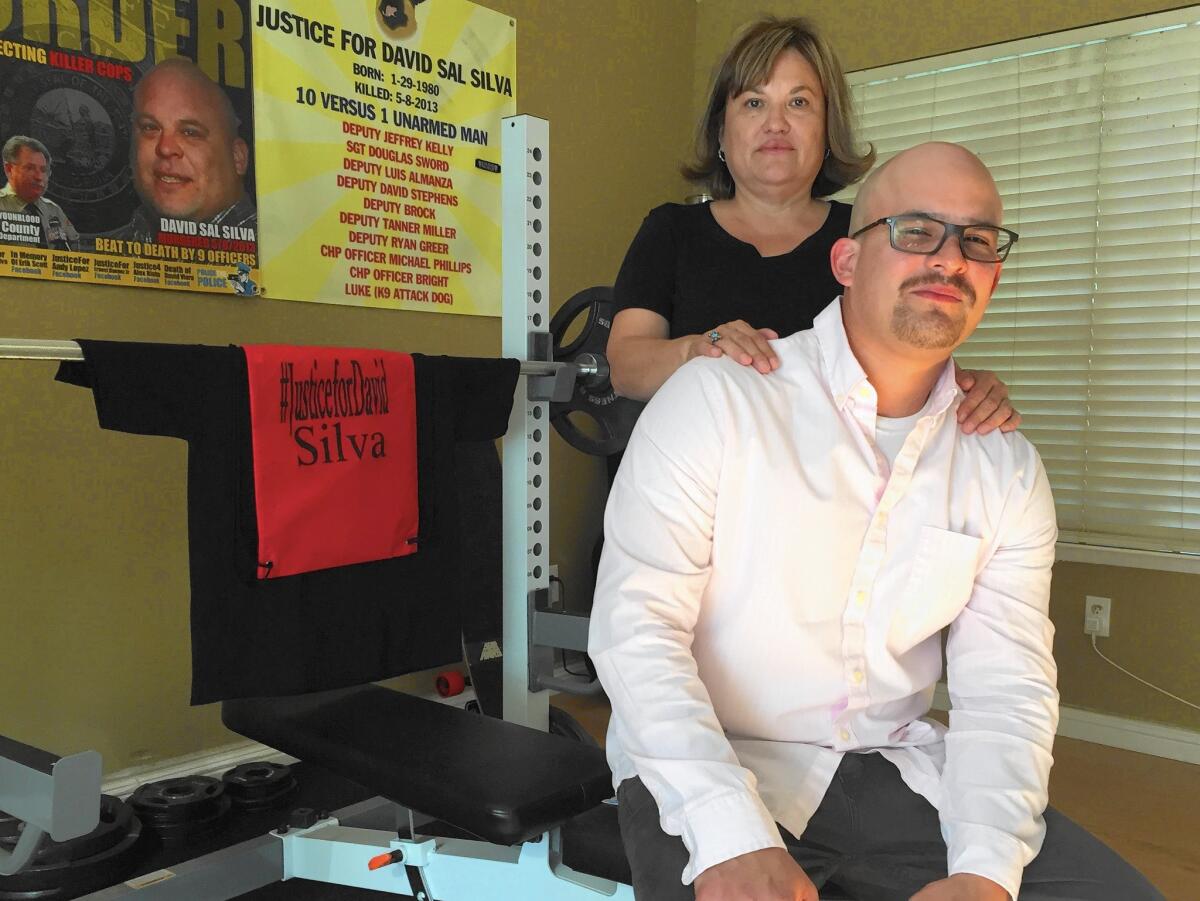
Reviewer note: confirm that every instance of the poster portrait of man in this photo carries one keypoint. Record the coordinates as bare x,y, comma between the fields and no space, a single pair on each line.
27,168
187,158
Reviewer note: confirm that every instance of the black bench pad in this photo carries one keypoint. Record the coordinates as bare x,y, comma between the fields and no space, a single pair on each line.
500,781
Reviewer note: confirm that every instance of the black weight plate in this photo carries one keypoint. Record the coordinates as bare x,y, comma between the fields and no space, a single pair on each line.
259,786
62,872
562,723
181,808
114,823
598,303
612,414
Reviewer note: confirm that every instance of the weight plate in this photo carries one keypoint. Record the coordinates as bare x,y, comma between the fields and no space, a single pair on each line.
63,870
562,723
113,824
593,398
181,808
259,786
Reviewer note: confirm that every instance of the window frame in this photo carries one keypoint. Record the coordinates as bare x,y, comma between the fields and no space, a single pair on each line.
1067,551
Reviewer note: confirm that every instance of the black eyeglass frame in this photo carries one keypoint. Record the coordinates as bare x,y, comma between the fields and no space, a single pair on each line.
951,228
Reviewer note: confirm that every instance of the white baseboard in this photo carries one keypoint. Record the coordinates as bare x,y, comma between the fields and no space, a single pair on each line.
1115,731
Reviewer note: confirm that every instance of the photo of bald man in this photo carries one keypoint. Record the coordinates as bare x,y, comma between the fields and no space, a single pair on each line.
187,157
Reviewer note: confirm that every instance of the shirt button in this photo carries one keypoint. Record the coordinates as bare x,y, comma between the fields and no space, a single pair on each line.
844,735
857,676
861,599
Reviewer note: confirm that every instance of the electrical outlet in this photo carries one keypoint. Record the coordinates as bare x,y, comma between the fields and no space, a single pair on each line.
1097,613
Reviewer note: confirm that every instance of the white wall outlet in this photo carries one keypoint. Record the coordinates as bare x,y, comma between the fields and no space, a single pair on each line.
1097,613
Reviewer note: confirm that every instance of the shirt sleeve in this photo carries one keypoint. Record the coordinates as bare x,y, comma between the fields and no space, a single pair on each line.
1004,700
483,396
653,575
647,276
149,389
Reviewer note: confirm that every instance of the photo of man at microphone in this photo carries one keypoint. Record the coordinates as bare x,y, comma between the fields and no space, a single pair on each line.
27,176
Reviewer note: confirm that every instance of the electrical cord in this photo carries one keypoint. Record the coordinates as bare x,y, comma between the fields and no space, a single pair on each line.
1096,648
590,675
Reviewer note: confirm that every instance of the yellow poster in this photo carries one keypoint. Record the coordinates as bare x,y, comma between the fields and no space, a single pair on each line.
377,127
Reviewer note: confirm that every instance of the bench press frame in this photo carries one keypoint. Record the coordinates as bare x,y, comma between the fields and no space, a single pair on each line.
336,849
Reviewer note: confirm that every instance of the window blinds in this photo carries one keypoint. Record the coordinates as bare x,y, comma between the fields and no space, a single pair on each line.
1095,145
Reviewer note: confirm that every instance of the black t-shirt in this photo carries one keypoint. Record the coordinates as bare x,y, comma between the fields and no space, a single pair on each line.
314,631
685,267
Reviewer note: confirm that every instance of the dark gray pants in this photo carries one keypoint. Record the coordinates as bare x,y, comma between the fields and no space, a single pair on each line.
874,839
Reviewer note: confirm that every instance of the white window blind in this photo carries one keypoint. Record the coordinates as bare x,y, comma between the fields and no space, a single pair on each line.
1094,140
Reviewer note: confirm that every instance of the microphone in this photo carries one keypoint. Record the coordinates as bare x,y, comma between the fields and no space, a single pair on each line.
55,234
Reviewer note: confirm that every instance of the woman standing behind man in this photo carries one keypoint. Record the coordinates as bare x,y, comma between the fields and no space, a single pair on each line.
753,265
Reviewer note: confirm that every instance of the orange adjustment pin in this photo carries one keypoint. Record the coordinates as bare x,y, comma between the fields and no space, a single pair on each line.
382,860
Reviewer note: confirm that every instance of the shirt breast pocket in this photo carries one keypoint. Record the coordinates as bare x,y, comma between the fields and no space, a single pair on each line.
938,587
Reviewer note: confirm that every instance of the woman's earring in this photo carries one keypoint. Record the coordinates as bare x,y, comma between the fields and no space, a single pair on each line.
721,154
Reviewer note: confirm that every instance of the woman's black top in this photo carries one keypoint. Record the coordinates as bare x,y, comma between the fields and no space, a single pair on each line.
685,267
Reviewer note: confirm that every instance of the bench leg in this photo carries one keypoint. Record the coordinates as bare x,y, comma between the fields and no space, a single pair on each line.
446,869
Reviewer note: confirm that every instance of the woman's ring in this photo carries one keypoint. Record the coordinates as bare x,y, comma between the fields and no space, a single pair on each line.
714,336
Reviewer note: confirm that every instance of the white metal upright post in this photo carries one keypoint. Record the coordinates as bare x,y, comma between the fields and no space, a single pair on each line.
524,162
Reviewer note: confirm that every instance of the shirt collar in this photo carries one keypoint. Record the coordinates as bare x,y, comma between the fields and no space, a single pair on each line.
845,374
7,191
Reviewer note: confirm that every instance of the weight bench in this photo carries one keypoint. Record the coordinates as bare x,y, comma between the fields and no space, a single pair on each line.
502,782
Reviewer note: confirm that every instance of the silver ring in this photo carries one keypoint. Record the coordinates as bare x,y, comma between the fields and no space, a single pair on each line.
714,336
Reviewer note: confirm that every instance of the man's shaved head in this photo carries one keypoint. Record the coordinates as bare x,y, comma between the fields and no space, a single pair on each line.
905,173
182,68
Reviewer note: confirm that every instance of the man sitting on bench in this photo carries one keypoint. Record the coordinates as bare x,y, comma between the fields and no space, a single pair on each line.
782,553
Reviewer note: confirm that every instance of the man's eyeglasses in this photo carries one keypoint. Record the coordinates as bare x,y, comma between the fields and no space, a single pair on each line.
926,235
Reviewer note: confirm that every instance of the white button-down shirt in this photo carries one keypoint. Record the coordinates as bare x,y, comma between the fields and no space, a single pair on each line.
772,593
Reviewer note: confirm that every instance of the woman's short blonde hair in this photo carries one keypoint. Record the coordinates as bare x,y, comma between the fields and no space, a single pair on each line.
748,64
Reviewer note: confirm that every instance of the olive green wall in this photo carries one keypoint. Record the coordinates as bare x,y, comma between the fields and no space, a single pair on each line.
1156,615
93,554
